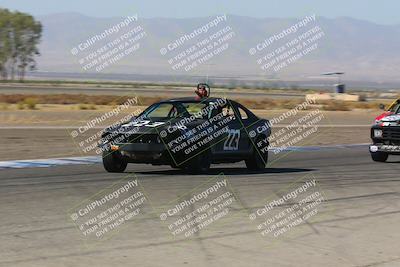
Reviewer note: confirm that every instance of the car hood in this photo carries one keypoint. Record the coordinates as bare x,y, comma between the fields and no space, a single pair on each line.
383,115
153,126
391,120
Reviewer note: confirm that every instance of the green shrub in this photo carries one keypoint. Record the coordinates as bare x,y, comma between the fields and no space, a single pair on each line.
30,103
87,107
82,107
92,106
21,105
4,106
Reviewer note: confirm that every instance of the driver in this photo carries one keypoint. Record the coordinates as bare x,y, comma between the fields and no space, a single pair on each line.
201,91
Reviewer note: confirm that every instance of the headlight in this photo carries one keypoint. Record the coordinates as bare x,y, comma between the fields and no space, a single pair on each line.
378,133
373,149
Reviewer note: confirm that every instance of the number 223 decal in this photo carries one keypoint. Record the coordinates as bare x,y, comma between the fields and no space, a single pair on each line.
232,141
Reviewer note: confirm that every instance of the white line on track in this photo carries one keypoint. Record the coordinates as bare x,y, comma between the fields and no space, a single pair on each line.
45,163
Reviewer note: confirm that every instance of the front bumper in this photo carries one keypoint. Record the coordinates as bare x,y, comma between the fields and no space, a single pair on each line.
140,147
390,149
143,153
387,142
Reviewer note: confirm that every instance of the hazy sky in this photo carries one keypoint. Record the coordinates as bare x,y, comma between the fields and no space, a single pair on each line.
382,12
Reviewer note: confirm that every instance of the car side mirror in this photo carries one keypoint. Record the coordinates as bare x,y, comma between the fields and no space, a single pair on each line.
382,107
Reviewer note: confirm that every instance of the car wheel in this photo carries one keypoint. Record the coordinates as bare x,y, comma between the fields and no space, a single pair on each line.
258,160
200,163
114,162
379,156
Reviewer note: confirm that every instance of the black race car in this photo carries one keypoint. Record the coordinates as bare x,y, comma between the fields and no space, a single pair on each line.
385,136
190,134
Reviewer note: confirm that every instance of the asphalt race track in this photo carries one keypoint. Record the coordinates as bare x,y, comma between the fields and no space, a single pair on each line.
357,225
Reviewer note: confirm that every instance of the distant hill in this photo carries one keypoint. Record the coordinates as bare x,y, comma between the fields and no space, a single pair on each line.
364,50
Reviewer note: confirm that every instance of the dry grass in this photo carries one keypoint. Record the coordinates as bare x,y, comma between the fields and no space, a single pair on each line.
68,99
336,106
269,104
346,106
26,103
89,102
4,106
87,107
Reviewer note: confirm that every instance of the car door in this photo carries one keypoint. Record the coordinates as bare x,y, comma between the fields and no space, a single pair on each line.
243,119
233,142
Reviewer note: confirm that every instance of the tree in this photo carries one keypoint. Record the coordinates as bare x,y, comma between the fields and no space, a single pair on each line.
19,37
5,48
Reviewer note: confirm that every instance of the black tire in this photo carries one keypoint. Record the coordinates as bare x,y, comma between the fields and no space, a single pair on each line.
114,162
200,163
379,156
258,160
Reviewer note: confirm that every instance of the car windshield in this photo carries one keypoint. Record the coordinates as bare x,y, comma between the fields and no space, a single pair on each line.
396,108
174,110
